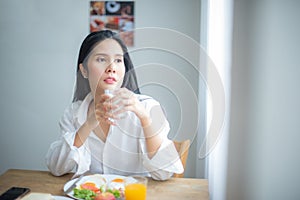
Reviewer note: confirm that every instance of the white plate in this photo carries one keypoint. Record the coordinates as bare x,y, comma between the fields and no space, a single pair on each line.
61,198
107,177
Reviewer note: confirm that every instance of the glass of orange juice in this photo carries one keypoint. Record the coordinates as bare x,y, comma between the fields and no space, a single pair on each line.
136,188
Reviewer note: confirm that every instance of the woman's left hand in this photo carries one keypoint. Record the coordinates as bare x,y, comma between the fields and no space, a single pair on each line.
109,109
125,100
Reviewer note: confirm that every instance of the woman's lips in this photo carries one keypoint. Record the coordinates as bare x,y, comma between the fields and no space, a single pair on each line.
110,80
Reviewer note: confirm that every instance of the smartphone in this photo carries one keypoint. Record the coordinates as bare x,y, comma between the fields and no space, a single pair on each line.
14,193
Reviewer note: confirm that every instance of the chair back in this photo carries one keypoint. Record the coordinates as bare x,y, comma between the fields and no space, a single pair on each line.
182,148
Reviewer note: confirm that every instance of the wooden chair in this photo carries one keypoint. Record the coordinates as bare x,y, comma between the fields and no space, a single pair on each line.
183,151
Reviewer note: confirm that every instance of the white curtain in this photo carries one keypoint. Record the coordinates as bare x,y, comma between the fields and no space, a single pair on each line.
216,38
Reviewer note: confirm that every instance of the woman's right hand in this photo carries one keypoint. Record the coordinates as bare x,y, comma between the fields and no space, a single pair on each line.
103,108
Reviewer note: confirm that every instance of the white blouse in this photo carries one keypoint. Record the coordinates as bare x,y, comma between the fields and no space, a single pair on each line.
123,153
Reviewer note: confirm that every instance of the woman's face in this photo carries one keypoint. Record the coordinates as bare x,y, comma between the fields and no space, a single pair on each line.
106,68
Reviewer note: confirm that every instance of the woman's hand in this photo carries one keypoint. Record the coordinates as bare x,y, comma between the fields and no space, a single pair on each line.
109,108
103,109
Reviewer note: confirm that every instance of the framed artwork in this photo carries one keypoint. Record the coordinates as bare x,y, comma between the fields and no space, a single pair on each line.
117,16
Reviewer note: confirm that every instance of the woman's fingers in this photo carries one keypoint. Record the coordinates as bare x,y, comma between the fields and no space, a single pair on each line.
108,108
103,111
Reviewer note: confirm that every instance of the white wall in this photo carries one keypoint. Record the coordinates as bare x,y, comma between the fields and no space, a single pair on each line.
264,140
39,42
175,79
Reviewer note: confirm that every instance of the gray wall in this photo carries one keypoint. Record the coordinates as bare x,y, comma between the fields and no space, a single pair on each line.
39,42
264,159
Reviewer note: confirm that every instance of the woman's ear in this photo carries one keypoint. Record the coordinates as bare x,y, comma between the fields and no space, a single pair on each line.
83,71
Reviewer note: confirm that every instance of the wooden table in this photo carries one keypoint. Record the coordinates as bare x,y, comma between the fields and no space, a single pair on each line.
43,181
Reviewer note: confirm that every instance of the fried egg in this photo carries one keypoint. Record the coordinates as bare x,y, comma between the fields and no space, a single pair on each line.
117,184
92,182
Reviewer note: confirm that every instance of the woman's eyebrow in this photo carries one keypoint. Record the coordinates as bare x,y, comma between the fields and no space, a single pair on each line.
100,54
104,54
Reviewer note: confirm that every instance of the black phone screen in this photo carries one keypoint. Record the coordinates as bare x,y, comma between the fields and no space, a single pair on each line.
14,193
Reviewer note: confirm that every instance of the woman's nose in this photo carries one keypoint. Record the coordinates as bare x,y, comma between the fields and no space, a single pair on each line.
110,68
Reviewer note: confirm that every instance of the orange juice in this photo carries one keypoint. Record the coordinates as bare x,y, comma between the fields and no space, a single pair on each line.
135,191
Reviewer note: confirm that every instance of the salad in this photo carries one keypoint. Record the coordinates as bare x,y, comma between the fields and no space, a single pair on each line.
98,189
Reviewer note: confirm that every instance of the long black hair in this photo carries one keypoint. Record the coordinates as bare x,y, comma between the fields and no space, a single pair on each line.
82,87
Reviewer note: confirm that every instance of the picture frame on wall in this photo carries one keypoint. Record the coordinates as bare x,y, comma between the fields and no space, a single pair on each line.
117,16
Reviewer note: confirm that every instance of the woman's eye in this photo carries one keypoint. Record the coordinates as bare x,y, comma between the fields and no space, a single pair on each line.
119,60
101,59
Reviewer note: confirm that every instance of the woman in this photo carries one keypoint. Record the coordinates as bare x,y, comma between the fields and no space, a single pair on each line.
124,133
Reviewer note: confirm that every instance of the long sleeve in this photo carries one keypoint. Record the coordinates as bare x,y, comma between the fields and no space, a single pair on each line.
124,151
62,156
166,161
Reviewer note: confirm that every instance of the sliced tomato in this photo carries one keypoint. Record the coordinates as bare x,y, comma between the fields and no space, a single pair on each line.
90,186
